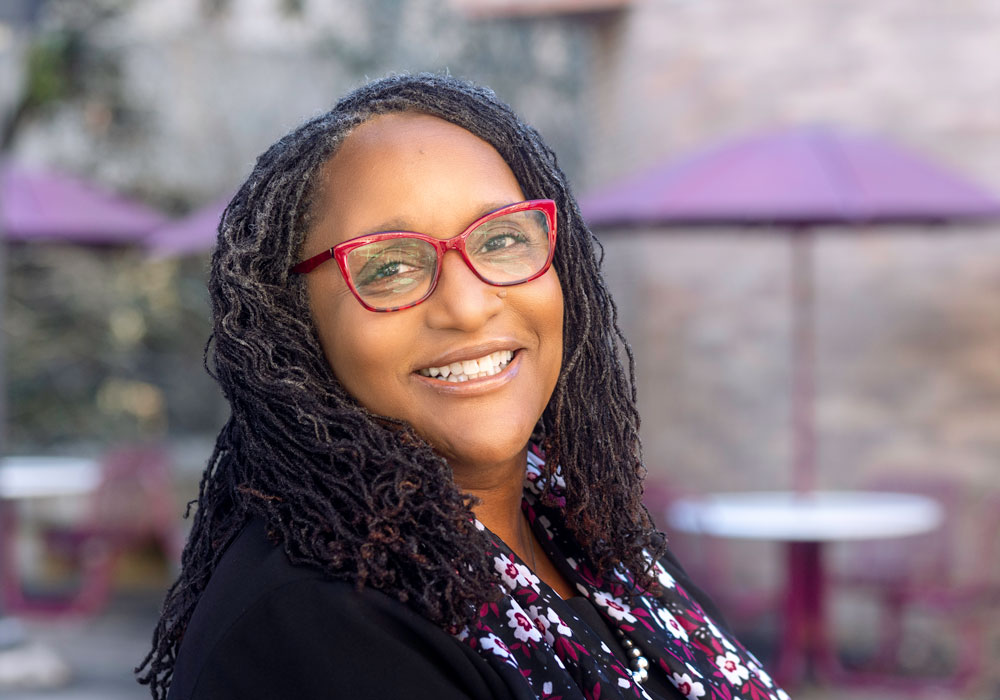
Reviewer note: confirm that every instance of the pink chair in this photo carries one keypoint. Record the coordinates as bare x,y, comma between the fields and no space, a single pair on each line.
133,505
918,575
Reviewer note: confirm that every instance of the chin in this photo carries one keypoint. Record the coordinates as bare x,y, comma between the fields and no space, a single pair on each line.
486,453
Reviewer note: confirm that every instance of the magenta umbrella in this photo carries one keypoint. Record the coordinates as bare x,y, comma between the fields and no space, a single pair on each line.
797,178
191,234
53,207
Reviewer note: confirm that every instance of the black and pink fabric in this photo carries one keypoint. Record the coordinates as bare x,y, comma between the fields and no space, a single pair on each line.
536,642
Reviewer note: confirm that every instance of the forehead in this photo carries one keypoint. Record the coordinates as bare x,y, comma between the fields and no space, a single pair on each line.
410,171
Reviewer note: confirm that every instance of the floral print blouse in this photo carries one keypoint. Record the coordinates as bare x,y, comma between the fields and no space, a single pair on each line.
538,644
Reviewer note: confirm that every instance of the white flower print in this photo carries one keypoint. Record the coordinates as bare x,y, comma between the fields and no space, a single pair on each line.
782,695
671,624
524,628
623,683
546,525
760,673
479,525
542,623
515,575
718,635
535,463
664,577
493,643
561,627
688,687
547,688
463,635
572,562
695,673
616,608
731,667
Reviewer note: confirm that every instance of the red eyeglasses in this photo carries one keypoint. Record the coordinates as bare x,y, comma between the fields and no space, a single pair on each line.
399,269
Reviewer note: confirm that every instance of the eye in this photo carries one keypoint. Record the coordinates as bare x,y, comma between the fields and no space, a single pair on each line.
391,267
386,270
501,240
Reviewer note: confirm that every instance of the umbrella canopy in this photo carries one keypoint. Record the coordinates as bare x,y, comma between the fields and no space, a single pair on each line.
48,206
796,176
191,234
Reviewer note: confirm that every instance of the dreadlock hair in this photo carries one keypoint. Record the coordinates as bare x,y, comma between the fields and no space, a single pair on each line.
361,496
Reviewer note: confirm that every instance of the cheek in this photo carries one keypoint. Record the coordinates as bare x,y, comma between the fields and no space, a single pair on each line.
548,307
356,345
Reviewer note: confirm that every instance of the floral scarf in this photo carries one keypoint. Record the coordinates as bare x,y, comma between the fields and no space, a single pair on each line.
541,649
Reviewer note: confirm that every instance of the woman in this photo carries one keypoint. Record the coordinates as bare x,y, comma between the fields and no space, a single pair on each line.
430,482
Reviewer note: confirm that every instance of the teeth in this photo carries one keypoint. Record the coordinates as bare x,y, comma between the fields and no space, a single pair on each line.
471,369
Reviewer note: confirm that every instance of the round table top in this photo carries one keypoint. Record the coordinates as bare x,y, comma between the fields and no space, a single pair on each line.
818,516
47,477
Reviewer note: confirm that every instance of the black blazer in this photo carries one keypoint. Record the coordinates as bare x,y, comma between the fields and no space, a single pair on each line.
267,629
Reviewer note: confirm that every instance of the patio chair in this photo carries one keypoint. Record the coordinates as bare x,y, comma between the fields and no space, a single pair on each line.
132,506
917,575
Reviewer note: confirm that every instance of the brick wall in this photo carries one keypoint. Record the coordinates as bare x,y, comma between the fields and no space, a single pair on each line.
908,321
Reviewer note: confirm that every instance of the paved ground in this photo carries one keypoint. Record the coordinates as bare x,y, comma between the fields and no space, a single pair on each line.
101,653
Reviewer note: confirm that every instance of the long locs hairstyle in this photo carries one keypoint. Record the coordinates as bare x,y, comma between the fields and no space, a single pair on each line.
357,495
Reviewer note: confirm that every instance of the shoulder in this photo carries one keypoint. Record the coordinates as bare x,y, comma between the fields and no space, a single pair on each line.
265,628
676,572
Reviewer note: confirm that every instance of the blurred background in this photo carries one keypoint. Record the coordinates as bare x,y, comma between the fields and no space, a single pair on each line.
142,116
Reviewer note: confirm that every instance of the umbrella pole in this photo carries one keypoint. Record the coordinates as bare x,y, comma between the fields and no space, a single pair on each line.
803,332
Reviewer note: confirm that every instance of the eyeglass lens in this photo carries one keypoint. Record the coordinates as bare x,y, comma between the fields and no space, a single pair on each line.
504,250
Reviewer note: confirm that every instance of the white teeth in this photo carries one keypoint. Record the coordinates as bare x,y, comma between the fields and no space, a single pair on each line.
487,366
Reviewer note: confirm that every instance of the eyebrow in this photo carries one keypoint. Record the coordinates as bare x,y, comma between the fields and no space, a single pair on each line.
400,224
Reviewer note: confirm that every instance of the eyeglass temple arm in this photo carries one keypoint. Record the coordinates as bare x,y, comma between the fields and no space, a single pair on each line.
312,263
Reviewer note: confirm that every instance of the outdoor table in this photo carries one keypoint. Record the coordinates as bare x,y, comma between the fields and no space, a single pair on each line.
30,478
27,479
803,523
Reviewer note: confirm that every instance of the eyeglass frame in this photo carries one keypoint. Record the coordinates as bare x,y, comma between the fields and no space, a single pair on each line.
340,251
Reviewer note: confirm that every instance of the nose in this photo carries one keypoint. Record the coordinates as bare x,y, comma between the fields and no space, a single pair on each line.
461,301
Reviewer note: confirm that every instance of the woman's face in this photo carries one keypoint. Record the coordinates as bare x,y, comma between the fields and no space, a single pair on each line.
415,172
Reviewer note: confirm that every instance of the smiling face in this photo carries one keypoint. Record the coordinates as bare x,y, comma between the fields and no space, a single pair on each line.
415,172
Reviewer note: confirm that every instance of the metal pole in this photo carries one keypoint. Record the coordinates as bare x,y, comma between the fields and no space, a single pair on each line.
803,336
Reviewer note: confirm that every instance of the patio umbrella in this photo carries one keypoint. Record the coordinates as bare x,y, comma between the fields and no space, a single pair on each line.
54,207
191,234
796,178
